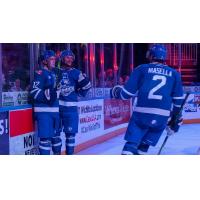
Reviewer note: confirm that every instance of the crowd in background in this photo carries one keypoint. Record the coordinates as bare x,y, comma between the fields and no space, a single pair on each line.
15,68
108,79
14,78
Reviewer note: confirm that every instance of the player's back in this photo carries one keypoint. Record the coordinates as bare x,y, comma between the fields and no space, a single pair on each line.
157,85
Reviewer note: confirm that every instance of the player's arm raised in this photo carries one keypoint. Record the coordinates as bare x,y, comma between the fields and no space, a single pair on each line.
84,85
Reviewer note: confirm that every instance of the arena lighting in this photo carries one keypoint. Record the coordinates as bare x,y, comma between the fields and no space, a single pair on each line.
102,63
101,54
131,67
92,58
86,58
131,49
92,63
115,67
102,58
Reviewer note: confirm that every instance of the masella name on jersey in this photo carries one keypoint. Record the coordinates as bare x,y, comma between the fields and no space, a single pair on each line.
162,71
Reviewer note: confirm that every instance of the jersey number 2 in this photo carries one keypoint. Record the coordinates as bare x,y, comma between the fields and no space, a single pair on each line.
157,87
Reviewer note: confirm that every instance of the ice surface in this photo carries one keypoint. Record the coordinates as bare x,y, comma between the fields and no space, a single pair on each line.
185,142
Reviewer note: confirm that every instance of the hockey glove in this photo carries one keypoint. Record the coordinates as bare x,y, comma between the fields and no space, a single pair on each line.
115,92
174,124
51,95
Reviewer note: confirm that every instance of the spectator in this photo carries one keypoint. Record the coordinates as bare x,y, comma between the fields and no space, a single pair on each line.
17,86
121,81
5,85
100,79
126,77
3,79
109,78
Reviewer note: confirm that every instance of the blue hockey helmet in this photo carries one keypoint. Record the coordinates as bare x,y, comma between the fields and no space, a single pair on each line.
47,54
67,53
157,52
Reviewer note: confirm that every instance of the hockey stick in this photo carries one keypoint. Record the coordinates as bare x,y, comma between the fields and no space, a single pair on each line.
176,118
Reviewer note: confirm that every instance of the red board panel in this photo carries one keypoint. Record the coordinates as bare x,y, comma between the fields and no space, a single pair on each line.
116,112
21,122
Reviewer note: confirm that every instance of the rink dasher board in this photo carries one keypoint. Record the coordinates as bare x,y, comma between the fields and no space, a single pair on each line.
22,138
25,141
191,111
112,120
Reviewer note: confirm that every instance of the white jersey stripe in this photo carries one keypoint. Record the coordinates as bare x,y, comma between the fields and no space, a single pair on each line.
122,96
156,111
127,92
37,93
70,138
34,90
177,105
182,97
81,77
46,109
87,86
64,103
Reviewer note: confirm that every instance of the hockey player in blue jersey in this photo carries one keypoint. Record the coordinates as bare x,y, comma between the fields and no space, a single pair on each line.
46,106
159,94
72,83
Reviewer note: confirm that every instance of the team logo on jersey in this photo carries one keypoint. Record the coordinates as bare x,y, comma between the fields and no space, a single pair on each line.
65,87
66,82
65,76
66,90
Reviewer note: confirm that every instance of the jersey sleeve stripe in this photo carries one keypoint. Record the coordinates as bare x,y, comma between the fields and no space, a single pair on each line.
32,91
87,86
122,97
127,92
182,97
81,77
37,93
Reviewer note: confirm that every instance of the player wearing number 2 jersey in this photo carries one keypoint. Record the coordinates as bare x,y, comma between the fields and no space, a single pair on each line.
159,94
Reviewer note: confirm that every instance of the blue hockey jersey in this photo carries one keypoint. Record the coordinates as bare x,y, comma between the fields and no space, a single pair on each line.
157,87
72,83
43,91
